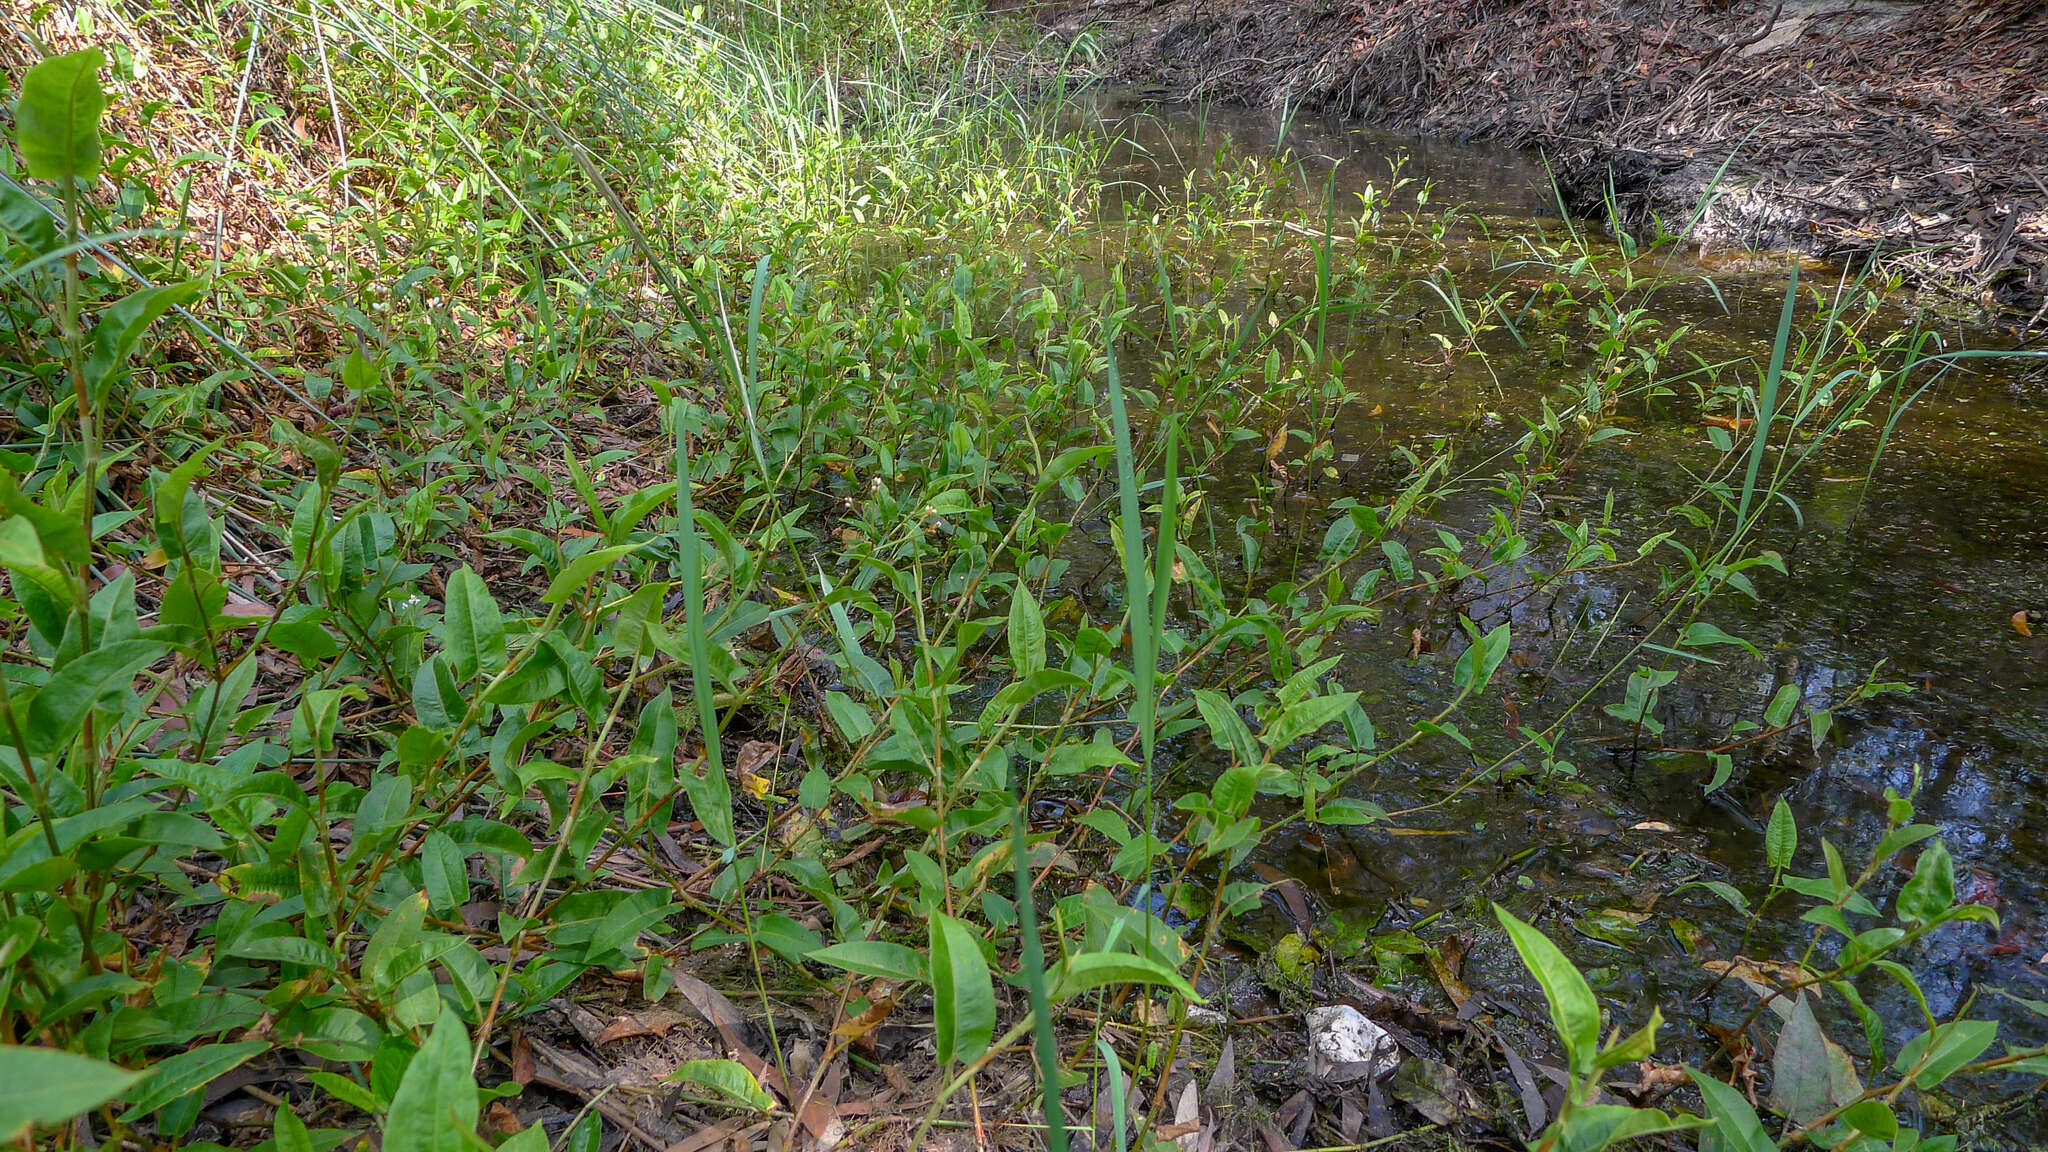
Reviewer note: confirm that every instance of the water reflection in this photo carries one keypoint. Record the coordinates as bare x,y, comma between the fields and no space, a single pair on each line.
1918,565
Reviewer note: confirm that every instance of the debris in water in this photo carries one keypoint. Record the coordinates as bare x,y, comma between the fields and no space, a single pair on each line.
1344,1045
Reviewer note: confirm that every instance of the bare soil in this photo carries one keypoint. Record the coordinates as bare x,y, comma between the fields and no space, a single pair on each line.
1840,128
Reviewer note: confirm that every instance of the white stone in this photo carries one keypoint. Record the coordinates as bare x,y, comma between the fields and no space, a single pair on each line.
1345,1045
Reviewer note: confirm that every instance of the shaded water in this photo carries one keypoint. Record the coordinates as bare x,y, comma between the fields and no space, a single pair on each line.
1921,567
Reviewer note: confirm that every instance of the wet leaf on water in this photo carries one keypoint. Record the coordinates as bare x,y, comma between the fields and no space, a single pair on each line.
1437,1091
1616,926
1811,1075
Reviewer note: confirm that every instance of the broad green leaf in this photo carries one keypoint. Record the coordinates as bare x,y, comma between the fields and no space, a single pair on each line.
726,1078
874,958
185,1072
1872,1118
1638,1045
1026,632
1067,463
291,1135
444,871
964,999
1932,1057
1233,791
1779,713
46,1086
1701,634
628,918
581,570
533,1138
472,631
1781,839
120,328
396,932
1097,969
286,950
60,709
57,119
785,937
1592,1127
1479,662
1226,727
1932,889
435,1107
1301,719
1069,759
1573,1010
1735,1123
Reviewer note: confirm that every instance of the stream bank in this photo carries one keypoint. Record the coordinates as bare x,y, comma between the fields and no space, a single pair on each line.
1914,131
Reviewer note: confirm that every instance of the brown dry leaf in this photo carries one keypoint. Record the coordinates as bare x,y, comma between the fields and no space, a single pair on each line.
500,1120
755,755
857,1029
652,1022
522,1060
2022,622
1761,977
1275,1142
1290,892
1446,960
1651,826
1415,648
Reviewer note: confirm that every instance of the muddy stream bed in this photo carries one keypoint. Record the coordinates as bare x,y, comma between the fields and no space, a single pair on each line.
1922,567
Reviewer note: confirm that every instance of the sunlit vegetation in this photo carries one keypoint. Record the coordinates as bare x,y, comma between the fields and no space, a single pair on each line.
511,506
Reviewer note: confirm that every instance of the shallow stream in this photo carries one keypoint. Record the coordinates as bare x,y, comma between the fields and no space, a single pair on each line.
1922,567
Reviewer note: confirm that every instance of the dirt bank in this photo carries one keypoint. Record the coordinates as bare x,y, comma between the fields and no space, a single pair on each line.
1915,129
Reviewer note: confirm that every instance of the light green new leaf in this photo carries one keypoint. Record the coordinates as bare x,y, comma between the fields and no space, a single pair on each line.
435,1107
1638,1045
188,1071
964,999
874,958
57,120
1573,1010
728,1078
46,1086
